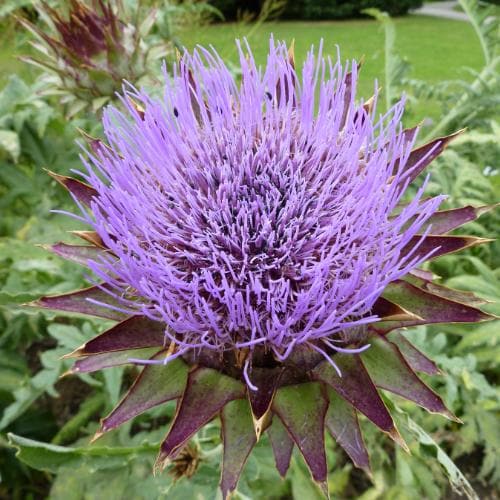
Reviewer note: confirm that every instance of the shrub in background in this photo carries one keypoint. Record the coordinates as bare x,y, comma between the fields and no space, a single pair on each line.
319,9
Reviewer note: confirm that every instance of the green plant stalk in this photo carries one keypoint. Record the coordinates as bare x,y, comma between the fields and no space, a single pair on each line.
469,8
390,57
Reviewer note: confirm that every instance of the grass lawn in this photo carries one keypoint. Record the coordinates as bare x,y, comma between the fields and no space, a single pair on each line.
438,49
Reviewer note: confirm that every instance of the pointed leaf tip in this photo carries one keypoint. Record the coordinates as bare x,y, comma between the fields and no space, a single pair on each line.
81,254
461,296
440,245
342,423
80,302
155,385
398,439
81,191
266,380
416,359
356,387
282,445
302,409
420,158
442,222
323,486
133,333
97,362
390,371
431,307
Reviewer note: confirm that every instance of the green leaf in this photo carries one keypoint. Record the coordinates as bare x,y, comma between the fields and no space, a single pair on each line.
11,5
32,389
303,487
457,480
239,440
50,457
302,409
9,143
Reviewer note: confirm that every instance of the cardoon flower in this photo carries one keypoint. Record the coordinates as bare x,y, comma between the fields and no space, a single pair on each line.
93,49
253,243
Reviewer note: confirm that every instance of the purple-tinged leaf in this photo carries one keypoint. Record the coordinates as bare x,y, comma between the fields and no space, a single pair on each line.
266,380
416,359
91,237
207,392
108,359
431,308
342,422
447,220
388,311
193,97
464,297
81,191
133,333
347,98
369,105
302,410
389,370
410,134
155,385
80,254
282,445
96,144
421,157
239,438
78,302
441,245
356,387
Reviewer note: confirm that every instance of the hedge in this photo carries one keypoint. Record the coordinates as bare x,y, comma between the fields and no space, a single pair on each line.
318,9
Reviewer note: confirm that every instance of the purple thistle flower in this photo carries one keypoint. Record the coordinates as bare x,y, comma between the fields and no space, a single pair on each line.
240,217
252,241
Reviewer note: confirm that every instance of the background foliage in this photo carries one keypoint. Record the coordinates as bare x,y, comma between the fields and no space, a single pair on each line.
48,420
318,9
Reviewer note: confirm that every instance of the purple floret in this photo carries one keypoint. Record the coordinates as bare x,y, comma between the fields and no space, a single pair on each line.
254,213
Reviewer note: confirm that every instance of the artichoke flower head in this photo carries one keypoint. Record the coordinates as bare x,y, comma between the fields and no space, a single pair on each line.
94,46
252,243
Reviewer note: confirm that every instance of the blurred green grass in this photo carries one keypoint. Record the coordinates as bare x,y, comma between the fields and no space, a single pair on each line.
438,49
